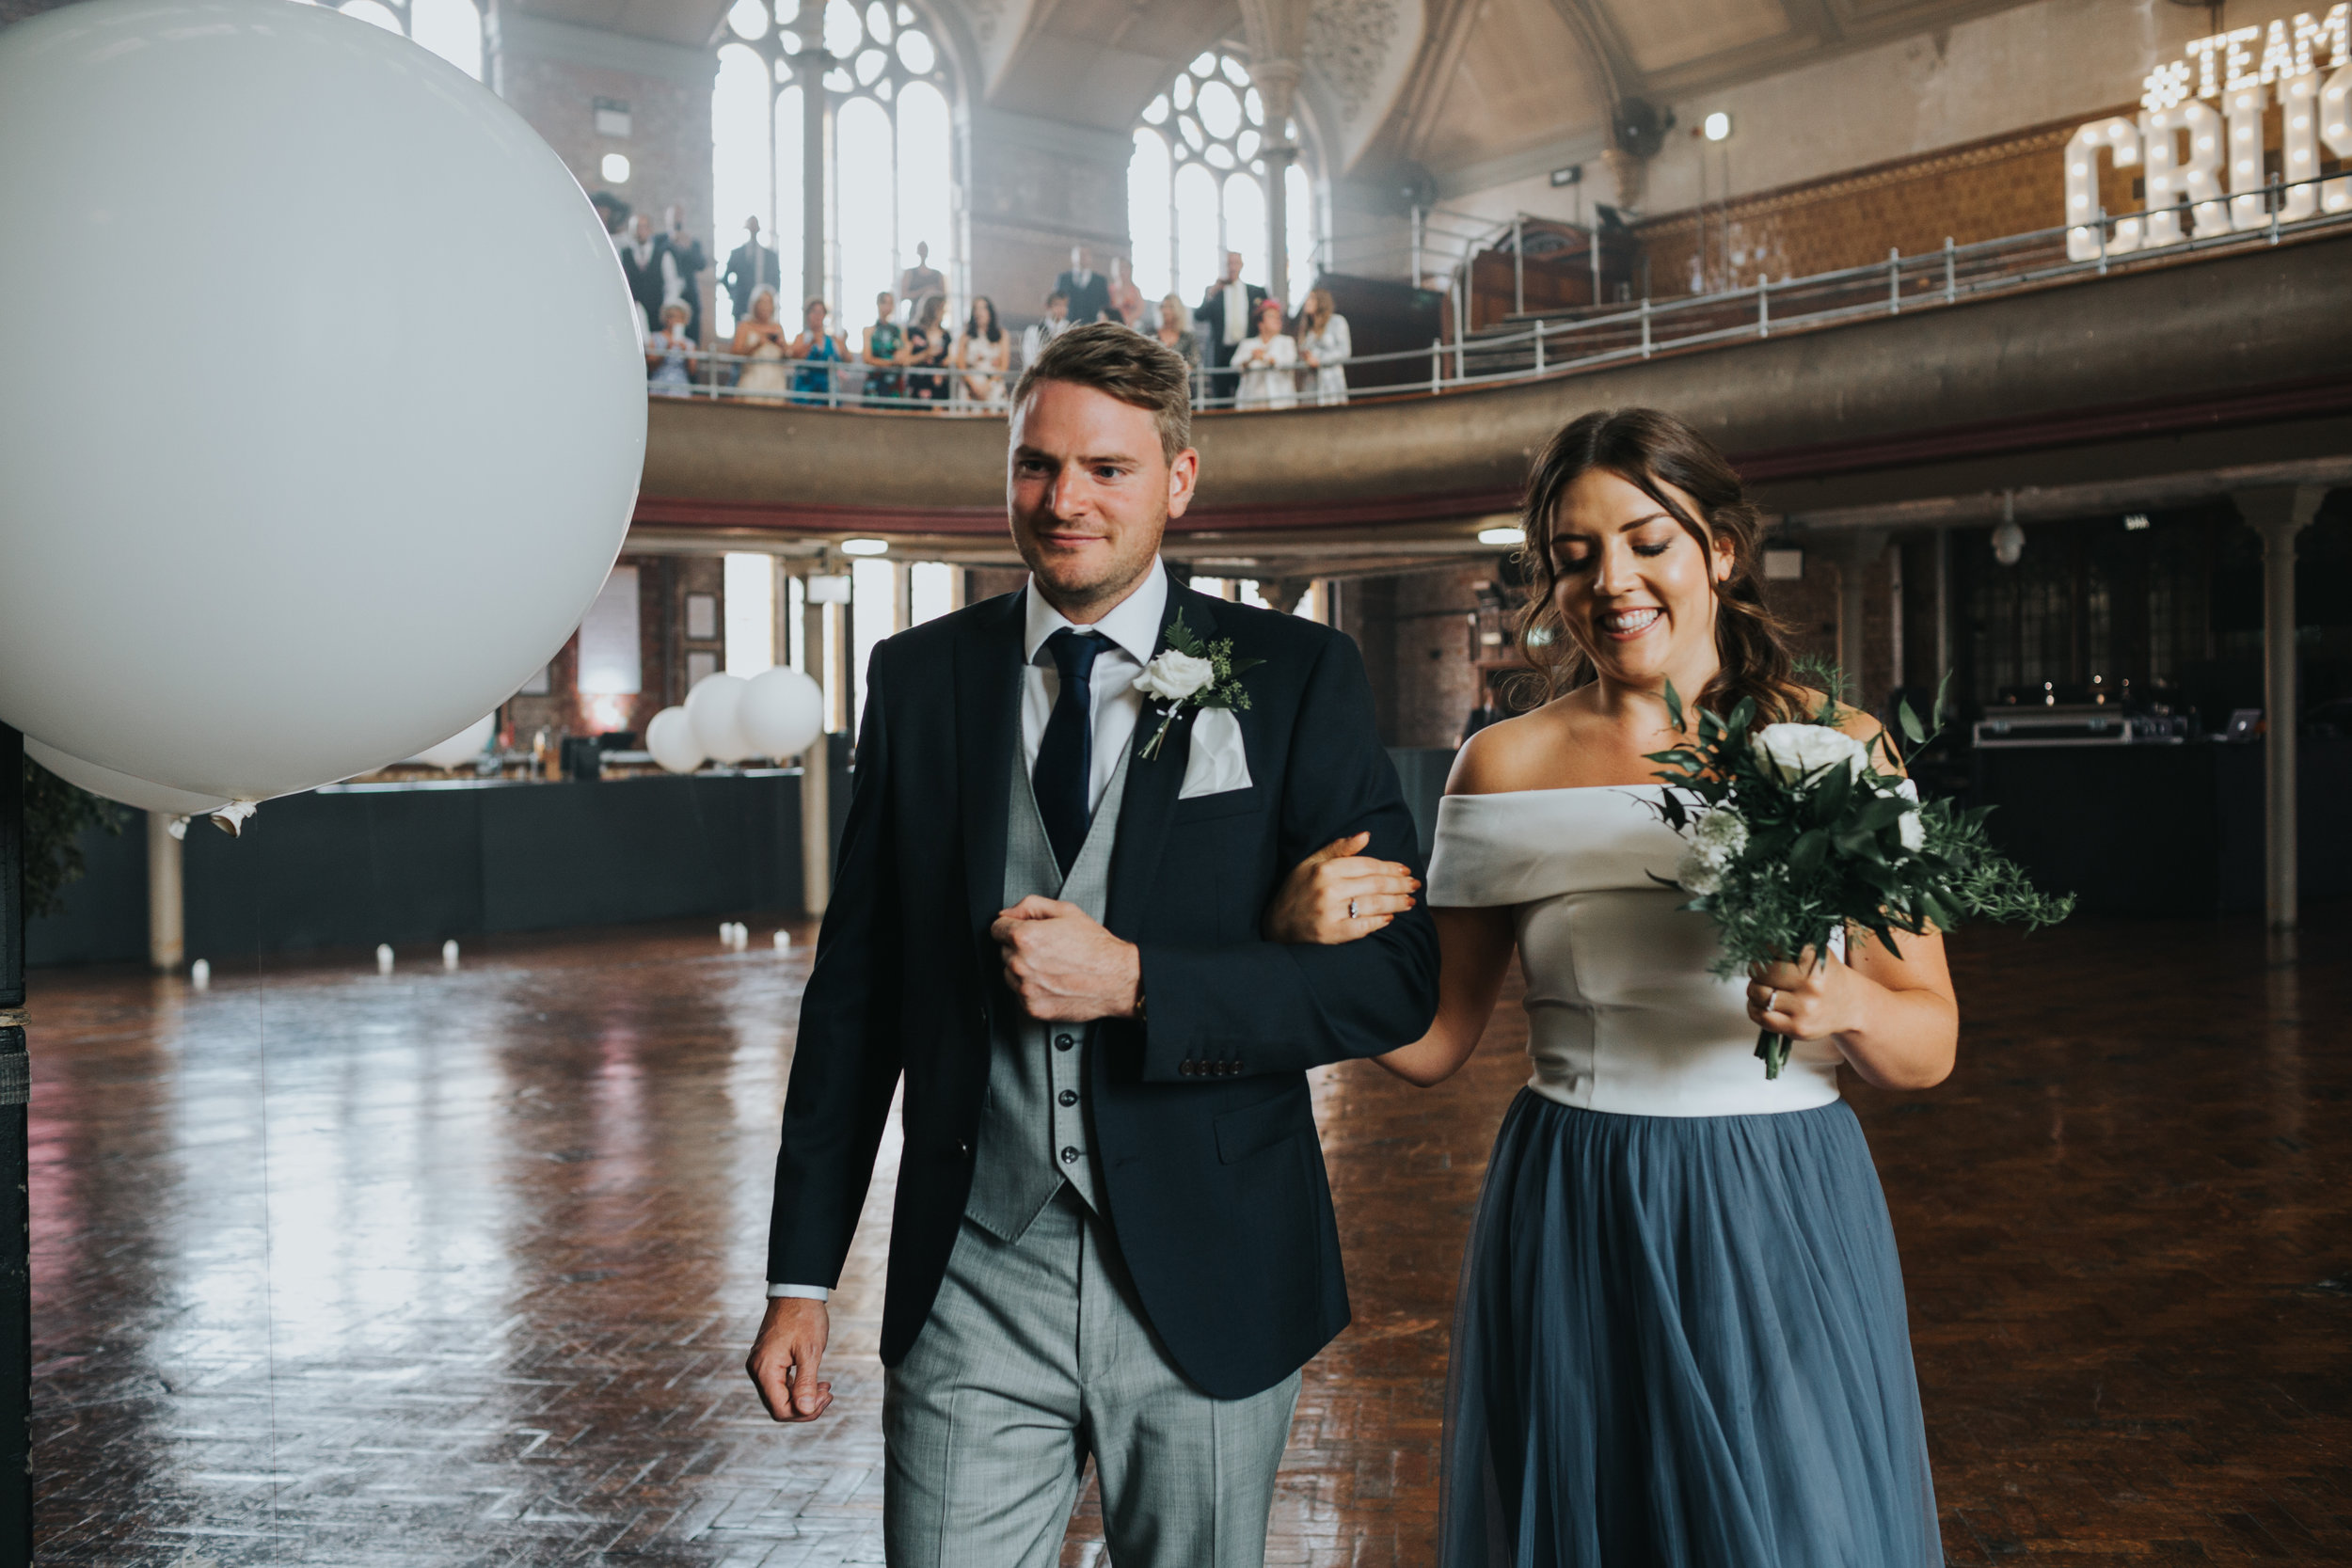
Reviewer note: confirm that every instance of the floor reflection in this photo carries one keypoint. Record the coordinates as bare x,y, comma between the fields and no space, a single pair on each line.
458,1267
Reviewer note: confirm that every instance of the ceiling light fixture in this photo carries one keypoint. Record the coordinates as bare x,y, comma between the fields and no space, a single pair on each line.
1717,126
866,547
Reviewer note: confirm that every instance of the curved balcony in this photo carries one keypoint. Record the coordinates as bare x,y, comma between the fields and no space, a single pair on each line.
2181,362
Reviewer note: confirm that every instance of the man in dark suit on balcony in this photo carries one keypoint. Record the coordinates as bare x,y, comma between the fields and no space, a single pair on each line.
1227,318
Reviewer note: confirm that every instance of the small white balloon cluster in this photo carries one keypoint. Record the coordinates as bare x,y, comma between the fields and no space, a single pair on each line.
726,719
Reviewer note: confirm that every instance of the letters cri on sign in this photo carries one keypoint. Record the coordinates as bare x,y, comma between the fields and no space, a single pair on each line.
2209,158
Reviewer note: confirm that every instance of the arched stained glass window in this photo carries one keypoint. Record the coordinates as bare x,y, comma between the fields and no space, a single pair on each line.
1196,185
890,184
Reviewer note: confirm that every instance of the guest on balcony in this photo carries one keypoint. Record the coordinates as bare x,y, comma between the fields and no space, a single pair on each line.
670,355
751,266
1226,314
760,340
1268,363
983,353
928,347
1324,345
1126,299
1087,291
684,261
818,352
643,255
921,281
886,355
1175,330
1056,321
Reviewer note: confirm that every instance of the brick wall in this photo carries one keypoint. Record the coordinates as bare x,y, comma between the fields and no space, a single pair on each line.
668,146
2007,184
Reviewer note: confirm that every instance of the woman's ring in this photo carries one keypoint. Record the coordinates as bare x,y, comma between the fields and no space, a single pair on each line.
1772,1003
1351,909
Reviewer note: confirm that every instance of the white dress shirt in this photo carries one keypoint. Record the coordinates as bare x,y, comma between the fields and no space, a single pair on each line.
1133,630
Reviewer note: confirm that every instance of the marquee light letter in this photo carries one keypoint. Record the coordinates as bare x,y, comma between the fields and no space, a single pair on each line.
2335,129
2172,178
2334,30
2119,139
2245,104
2298,109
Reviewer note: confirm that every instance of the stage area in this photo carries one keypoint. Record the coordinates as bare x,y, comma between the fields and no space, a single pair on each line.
459,1267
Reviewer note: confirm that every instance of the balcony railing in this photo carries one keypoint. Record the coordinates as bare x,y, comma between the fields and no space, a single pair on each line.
1585,338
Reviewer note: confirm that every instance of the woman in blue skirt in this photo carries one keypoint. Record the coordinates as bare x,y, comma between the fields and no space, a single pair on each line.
1680,1342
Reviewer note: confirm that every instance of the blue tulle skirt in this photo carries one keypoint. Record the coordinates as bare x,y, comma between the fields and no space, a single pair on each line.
1680,1343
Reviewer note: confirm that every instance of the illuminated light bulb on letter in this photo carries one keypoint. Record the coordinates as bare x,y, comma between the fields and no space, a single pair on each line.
2084,244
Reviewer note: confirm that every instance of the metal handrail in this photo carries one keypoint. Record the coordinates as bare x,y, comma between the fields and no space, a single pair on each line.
1556,347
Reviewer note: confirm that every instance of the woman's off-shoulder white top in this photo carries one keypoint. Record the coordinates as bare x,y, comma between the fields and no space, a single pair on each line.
1622,1012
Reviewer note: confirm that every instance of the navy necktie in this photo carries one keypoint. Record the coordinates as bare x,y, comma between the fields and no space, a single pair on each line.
1065,758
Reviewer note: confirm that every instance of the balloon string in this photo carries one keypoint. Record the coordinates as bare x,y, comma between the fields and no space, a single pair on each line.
269,1292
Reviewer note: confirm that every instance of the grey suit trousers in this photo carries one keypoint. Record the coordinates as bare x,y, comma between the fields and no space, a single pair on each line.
1036,1356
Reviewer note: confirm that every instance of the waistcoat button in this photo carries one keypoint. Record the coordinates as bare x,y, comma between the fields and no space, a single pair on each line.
1063,1042
1070,1096
1068,1156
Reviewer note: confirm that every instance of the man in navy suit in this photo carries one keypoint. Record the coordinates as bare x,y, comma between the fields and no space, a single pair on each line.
1113,1237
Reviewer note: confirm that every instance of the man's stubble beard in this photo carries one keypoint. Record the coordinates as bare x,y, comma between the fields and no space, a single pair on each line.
1104,592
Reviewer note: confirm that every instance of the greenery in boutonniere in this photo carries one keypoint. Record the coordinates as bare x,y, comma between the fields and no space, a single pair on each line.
1189,673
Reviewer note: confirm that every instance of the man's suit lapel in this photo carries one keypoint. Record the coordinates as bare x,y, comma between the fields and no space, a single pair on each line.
988,729
1145,811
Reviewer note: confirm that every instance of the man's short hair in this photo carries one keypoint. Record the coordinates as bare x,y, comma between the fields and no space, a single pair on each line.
1056,294
1114,359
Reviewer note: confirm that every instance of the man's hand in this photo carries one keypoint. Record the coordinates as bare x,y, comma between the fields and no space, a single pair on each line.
786,1356
1064,965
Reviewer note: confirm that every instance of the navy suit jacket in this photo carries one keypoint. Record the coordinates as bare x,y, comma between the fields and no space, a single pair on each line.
1209,1168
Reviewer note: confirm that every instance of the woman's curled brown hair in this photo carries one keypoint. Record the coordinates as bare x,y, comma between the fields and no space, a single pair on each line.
1650,450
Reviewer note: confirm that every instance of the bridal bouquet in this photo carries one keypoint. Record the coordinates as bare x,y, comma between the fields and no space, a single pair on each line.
1797,835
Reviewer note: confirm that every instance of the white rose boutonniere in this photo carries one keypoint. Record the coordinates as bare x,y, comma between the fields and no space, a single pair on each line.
1189,673
1173,676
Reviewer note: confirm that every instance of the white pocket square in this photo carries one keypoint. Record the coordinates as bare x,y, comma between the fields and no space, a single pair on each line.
1218,762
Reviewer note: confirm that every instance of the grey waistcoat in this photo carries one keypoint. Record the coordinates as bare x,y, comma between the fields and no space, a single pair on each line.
1034,1130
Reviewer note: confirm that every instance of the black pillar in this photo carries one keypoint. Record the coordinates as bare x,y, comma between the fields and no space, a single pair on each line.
16,1274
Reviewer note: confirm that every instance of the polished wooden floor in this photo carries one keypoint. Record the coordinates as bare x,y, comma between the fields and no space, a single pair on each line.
458,1267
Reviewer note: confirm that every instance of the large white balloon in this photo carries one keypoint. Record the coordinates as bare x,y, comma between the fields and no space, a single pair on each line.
121,786
267,527
670,737
780,711
715,707
462,748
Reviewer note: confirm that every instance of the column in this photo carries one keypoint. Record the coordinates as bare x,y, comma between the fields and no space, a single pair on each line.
815,116
16,1274
815,775
1856,552
167,906
2278,515
1278,84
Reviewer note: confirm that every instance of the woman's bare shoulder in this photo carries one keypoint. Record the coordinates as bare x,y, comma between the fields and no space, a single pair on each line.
1514,753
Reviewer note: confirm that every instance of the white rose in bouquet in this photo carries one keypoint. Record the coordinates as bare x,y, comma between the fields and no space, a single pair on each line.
1798,751
1173,676
1913,831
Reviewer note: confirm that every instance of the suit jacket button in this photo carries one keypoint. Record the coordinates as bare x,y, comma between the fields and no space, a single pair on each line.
1068,1097
1068,1156
963,1151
